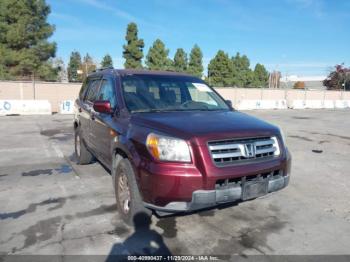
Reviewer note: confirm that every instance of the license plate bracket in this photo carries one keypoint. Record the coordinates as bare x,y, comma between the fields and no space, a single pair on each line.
254,189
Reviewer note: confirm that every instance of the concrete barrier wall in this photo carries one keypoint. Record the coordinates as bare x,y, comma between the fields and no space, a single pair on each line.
25,107
246,98
66,107
57,93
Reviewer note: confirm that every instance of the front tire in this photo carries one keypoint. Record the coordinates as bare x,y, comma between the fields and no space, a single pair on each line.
81,152
129,201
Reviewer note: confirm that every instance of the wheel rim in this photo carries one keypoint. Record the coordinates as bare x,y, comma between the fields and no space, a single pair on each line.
124,193
77,145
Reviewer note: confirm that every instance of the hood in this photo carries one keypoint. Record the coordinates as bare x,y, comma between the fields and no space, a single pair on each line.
205,125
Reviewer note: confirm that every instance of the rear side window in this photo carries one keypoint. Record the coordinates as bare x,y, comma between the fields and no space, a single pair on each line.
107,92
92,92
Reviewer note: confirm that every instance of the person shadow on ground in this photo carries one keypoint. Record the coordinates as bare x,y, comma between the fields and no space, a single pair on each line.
144,241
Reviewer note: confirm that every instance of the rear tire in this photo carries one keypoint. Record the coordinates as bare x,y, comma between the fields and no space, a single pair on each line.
129,201
82,154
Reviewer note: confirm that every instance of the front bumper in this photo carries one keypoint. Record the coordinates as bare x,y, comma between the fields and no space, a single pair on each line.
210,198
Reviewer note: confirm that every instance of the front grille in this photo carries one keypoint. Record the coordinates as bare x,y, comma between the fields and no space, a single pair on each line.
227,152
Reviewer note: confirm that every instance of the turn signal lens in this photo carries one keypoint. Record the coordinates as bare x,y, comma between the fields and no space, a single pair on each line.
152,145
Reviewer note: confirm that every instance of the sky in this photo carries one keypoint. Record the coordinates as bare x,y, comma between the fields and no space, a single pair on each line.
296,37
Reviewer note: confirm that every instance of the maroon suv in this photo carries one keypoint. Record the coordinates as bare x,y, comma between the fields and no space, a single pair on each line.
173,144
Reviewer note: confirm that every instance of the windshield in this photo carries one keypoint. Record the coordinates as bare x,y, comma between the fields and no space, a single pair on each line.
150,93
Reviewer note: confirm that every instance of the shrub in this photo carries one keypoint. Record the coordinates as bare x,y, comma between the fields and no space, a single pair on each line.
299,85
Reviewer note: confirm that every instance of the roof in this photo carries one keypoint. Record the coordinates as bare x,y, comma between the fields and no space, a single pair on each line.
147,72
140,72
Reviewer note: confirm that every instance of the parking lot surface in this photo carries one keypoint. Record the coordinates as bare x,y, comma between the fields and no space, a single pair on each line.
50,205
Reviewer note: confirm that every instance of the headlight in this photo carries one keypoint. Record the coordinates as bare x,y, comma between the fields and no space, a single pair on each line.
276,145
168,148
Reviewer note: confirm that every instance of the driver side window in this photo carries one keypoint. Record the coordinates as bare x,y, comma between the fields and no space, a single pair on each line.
92,91
107,92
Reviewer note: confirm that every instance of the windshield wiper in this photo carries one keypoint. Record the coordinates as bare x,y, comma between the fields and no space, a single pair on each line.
175,110
205,109
155,110
147,111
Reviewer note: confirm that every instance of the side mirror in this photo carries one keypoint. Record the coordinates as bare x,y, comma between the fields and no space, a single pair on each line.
102,107
229,103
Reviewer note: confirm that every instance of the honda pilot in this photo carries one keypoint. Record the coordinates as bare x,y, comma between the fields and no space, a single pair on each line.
173,144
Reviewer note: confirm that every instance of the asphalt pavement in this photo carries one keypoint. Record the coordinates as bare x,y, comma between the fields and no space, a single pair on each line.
50,205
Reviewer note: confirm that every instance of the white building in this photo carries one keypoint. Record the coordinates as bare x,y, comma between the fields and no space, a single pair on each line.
311,82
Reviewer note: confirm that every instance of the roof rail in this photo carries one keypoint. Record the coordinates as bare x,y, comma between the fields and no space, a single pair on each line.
102,68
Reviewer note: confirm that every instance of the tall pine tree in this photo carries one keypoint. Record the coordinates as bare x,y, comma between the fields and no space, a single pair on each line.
157,57
261,76
180,61
195,65
107,61
242,74
73,66
220,70
24,32
133,50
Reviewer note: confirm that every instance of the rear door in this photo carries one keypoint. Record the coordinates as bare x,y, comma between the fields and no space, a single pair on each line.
83,111
89,100
102,122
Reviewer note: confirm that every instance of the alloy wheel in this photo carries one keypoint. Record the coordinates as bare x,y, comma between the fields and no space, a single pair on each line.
124,193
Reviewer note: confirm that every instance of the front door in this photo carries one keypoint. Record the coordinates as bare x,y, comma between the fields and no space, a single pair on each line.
102,122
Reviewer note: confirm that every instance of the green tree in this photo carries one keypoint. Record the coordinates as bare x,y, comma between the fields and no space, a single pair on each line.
53,70
157,57
261,76
220,70
243,76
133,50
195,65
24,32
73,66
59,65
107,61
180,61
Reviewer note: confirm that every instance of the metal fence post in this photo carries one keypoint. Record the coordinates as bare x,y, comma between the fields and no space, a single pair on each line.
324,96
285,94
34,86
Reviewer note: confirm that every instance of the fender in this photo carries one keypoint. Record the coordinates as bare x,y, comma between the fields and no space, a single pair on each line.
120,151
118,146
